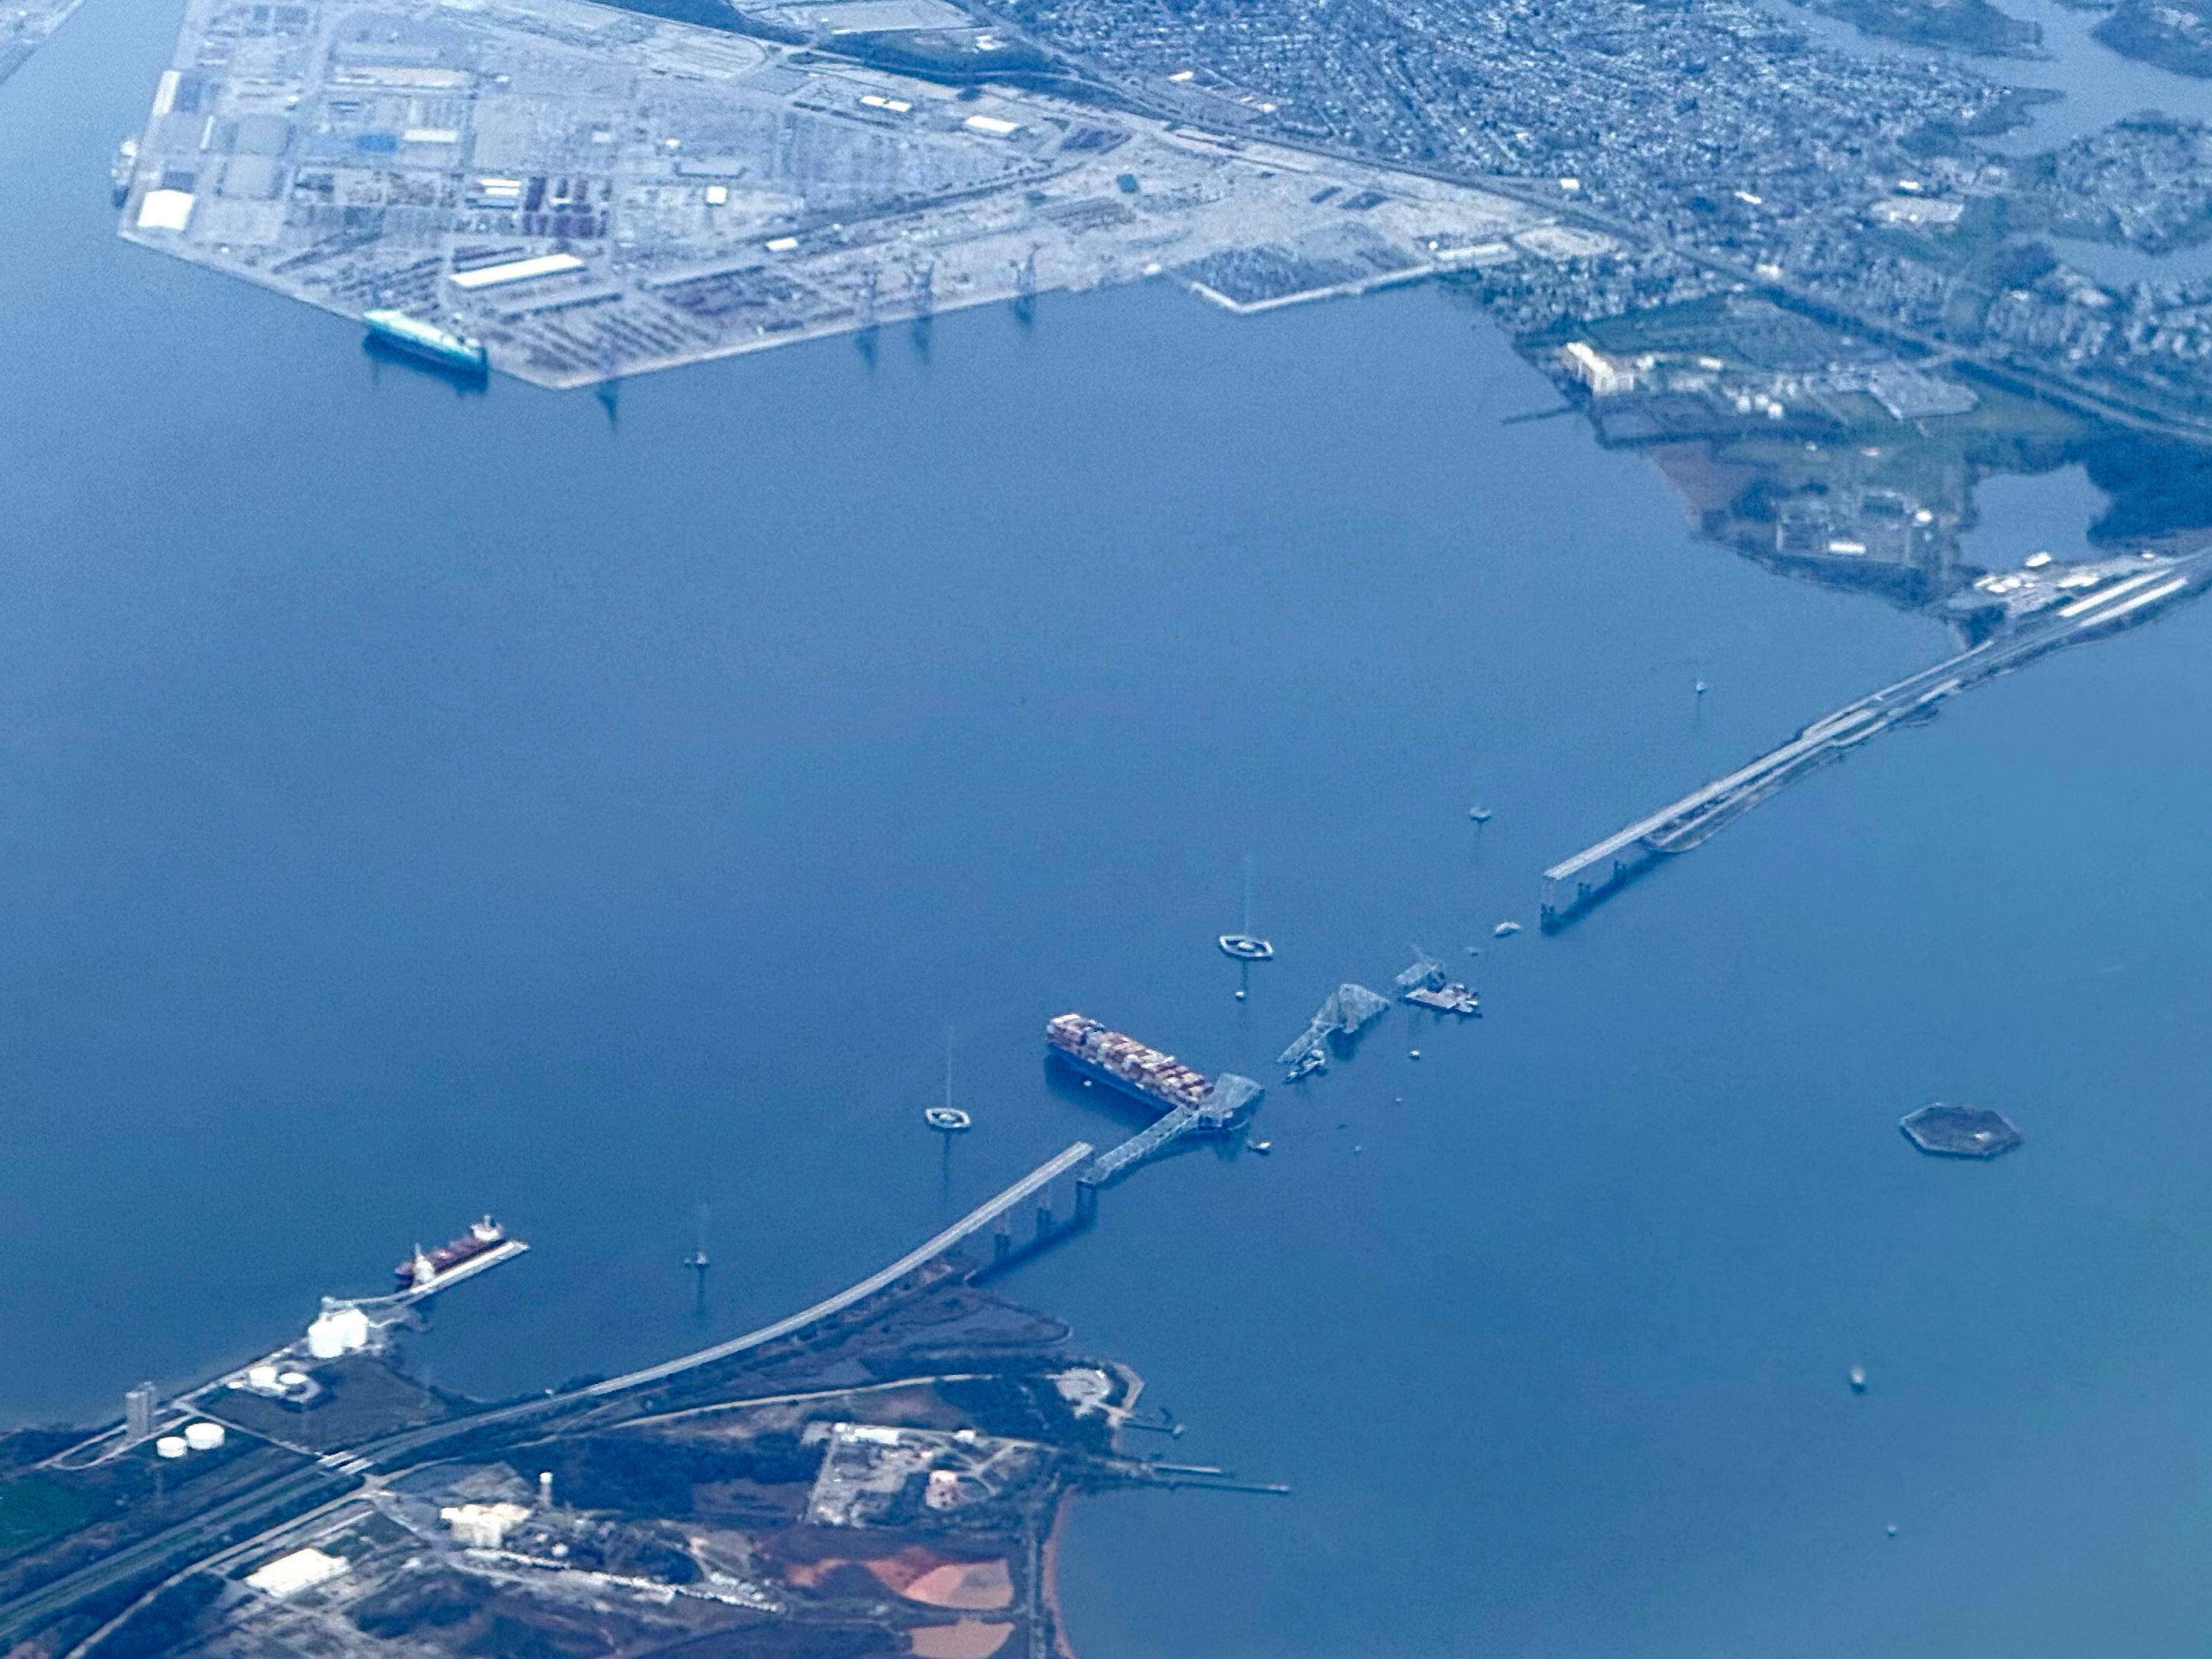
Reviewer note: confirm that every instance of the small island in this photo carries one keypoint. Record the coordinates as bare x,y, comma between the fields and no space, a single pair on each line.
1974,25
1961,1131
2175,35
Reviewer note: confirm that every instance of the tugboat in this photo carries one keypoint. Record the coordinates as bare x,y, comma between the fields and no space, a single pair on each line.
124,168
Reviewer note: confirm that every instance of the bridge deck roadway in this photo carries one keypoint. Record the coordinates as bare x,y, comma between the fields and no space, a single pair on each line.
1573,884
203,1532
928,1250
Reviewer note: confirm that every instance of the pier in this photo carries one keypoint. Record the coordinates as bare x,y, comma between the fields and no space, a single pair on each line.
2137,591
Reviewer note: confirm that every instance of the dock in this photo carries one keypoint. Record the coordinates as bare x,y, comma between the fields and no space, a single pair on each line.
2129,592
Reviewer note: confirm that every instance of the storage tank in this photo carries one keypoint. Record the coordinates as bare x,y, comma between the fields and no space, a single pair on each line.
261,1377
169,1445
342,1330
203,1437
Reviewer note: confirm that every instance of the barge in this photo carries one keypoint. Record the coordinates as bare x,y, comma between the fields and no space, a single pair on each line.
1449,998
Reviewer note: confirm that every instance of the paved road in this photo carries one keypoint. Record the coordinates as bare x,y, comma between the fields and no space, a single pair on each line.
1576,883
25,1614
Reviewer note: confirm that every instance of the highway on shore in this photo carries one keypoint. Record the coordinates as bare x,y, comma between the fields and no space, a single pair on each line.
203,1533
202,1536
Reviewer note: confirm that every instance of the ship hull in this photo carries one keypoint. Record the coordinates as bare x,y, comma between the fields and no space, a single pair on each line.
483,1261
1156,1104
454,361
1098,1074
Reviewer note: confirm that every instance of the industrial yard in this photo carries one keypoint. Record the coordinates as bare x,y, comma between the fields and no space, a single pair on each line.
880,1472
883,1482
592,193
27,25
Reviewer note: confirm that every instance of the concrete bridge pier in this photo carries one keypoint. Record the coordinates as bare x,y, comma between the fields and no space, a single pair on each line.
1065,1205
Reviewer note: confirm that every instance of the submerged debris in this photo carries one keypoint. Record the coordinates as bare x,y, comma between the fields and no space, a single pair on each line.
1426,974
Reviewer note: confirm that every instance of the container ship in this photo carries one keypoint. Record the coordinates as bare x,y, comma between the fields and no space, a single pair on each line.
462,354
1144,1074
485,1245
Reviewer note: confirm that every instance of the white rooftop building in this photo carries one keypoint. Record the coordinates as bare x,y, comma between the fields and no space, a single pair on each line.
483,1525
287,1575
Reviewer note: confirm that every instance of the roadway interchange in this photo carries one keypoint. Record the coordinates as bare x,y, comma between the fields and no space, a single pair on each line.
231,1527
2043,615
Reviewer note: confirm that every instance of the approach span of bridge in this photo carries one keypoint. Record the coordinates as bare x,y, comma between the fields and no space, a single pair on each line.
2133,593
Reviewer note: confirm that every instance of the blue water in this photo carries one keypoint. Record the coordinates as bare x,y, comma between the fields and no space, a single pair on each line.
412,804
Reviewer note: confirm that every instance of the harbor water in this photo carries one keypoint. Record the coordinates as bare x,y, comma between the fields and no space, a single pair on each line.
416,802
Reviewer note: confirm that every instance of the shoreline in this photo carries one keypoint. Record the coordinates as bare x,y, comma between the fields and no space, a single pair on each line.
1048,1577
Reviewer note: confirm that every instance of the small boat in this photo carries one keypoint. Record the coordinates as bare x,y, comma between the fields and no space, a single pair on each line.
1314,1059
947,1120
1245,945
1505,930
1262,1147
124,168
1859,1379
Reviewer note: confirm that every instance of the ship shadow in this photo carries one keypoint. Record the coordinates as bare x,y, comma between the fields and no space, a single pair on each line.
466,382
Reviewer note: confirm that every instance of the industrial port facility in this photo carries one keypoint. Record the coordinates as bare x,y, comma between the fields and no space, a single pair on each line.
574,193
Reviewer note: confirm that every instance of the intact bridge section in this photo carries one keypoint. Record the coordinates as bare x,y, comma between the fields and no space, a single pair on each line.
1028,1205
2050,616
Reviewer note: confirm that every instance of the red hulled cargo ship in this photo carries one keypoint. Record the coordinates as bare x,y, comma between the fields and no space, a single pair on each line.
425,1268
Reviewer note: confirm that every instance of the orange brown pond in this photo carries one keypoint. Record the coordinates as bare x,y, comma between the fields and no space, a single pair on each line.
970,1638
964,1584
922,1575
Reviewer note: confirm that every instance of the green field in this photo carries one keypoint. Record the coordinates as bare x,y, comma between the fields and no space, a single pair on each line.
35,1507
